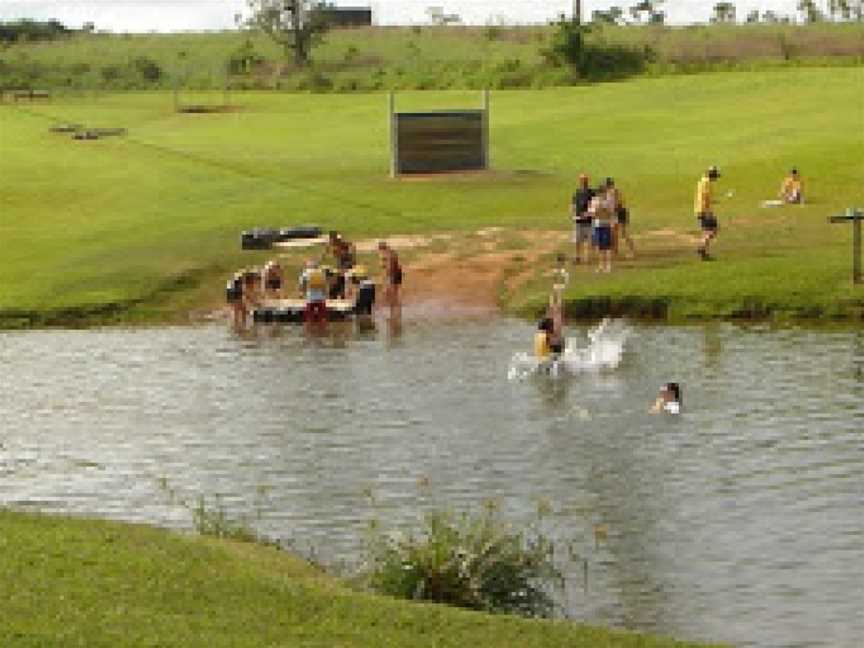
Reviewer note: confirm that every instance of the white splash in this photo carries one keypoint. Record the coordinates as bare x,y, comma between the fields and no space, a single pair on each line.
603,352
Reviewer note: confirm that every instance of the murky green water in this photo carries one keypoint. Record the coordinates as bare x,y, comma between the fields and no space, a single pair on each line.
742,520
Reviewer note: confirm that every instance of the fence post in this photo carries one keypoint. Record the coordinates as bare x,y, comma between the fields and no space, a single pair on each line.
394,135
487,163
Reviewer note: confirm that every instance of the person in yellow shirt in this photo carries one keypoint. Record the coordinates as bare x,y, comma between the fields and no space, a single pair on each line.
542,348
791,192
704,209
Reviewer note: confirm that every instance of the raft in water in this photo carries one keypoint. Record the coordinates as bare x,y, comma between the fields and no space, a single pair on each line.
292,311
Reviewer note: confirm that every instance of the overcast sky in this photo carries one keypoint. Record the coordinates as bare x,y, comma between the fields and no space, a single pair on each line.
178,15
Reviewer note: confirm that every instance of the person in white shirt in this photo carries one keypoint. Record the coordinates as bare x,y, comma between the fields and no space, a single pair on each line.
669,399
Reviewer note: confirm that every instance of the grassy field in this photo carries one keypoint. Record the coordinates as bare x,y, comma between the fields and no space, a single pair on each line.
371,59
146,227
66,582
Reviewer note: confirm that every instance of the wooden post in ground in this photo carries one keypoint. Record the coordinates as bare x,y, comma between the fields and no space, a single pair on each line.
855,216
394,135
487,163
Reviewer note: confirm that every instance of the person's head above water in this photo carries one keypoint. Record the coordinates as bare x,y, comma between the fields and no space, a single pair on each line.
545,324
584,180
671,391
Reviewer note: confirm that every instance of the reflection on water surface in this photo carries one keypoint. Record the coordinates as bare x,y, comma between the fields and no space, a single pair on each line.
738,521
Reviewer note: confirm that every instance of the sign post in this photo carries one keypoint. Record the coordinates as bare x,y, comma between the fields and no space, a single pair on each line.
855,216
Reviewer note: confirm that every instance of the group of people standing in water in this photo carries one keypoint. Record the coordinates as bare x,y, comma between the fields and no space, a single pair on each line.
317,282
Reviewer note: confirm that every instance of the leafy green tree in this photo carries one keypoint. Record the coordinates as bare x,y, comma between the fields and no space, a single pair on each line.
612,16
724,12
810,12
648,11
296,25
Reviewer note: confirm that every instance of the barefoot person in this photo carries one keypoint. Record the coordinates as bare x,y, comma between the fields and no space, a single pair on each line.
791,191
392,274
602,221
704,211
620,217
582,219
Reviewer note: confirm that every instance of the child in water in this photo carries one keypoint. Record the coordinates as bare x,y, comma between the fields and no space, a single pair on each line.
669,399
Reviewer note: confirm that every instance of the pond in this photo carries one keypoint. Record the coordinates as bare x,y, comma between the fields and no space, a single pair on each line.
739,520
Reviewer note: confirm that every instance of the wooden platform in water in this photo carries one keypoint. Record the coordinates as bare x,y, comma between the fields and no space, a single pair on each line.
292,310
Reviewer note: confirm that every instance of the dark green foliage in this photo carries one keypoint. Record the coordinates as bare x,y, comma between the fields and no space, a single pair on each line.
147,69
244,59
594,60
32,30
471,561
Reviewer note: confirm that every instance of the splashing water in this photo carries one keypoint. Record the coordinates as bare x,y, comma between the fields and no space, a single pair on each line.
604,351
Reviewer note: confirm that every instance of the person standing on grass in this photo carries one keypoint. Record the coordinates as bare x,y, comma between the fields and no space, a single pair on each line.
582,219
602,221
703,207
620,217
791,192
392,272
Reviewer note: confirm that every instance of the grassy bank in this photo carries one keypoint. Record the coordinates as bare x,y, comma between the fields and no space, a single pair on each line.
373,59
145,227
95,583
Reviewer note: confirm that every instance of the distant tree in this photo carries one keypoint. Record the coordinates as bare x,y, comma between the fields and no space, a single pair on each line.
810,12
612,16
724,12
648,12
773,18
296,25
438,17
88,27
752,17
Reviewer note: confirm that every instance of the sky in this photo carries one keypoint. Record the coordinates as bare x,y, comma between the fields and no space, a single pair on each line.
196,15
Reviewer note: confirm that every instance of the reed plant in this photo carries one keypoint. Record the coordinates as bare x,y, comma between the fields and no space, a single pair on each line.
470,560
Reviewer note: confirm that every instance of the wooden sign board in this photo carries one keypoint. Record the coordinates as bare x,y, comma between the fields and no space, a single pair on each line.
430,142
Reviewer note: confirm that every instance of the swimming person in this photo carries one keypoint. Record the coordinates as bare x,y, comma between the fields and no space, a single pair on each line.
669,399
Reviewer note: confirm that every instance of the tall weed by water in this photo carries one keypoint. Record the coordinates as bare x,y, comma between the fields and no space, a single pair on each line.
470,560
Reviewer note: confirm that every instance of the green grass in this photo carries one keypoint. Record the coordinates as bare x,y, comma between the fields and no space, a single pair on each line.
377,58
79,582
146,227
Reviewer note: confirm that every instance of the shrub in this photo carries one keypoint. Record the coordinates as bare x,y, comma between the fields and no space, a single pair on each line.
147,69
470,561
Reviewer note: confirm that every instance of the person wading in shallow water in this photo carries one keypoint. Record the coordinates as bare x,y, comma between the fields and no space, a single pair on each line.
392,275
313,282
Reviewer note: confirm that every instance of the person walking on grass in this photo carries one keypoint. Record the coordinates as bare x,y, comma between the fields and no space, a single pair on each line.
704,208
620,217
579,203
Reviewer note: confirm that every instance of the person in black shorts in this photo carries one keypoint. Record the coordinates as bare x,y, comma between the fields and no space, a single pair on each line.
579,203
